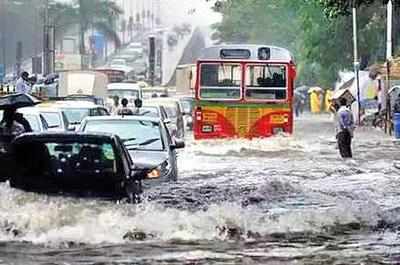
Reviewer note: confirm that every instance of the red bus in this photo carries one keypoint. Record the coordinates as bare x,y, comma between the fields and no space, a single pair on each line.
243,91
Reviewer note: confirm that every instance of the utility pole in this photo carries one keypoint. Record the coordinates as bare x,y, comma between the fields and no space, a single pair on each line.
3,16
46,39
389,53
356,62
82,34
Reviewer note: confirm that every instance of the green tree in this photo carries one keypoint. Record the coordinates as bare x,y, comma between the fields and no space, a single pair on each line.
321,44
99,14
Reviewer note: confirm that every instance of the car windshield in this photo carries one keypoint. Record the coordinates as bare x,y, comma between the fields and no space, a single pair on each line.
149,111
122,93
53,119
76,115
137,135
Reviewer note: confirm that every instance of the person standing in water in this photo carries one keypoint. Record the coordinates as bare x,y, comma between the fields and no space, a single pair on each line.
344,129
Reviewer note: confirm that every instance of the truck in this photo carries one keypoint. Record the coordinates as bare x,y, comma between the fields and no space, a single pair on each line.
185,79
83,85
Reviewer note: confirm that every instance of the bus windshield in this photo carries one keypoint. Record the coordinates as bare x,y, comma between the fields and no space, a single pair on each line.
266,82
220,81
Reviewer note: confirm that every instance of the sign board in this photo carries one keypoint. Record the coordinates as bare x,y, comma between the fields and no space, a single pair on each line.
2,72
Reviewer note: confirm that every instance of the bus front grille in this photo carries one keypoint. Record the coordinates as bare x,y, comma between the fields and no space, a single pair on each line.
242,119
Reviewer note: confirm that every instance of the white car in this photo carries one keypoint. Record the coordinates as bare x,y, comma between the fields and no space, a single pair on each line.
35,119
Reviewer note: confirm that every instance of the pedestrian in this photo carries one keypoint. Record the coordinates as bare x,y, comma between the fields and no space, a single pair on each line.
19,117
22,84
344,129
315,102
328,99
9,129
115,105
124,110
299,100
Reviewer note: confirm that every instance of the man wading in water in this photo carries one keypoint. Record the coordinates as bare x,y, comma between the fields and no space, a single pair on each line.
344,129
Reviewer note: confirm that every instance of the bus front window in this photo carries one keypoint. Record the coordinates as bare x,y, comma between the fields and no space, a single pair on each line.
220,81
266,82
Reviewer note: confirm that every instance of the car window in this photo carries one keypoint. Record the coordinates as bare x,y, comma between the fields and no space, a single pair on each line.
67,158
53,119
76,115
102,112
149,112
141,135
34,122
171,112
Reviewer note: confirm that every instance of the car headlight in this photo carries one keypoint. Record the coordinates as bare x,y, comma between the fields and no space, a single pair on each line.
154,174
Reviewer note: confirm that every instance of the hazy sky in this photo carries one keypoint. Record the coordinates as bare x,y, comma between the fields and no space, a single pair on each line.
174,11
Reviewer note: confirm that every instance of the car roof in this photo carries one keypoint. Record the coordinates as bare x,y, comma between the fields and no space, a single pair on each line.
123,86
49,136
126,117
75,104
41,109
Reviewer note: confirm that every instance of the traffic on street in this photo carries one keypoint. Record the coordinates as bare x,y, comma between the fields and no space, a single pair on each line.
199,132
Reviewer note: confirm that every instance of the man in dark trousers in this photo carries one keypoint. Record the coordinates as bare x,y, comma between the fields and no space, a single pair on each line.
344,129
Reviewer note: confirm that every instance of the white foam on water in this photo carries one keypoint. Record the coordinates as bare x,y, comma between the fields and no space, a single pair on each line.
44,220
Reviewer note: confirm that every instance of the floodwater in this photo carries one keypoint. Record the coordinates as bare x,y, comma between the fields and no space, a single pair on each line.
283,200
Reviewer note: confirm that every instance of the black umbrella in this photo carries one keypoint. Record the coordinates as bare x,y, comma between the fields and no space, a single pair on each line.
15,101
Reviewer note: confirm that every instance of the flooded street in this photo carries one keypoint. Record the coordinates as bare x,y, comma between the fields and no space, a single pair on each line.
284,200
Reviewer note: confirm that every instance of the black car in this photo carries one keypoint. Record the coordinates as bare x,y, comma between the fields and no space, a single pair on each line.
146,139
76,163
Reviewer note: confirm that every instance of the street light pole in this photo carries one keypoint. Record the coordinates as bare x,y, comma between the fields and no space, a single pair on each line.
388,62
3,32
356,62
46,64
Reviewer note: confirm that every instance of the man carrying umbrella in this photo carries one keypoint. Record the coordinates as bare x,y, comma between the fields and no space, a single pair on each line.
12,124
22,85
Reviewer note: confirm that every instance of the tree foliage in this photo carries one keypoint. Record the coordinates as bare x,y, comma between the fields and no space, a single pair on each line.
321,44
98,14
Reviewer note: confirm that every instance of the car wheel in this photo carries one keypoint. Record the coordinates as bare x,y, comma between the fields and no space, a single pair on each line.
133,190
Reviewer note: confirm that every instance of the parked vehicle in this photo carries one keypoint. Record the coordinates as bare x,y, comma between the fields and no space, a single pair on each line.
78,164
146,139
174,113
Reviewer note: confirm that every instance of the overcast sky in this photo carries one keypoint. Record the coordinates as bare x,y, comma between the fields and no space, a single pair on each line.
174,11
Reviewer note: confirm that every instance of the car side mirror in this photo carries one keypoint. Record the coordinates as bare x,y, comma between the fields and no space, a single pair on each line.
167,121
71,128
179,144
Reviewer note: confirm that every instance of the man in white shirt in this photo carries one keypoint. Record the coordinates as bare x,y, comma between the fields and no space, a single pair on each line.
22,84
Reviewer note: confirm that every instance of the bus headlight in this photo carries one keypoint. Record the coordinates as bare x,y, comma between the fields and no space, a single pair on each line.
207,128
